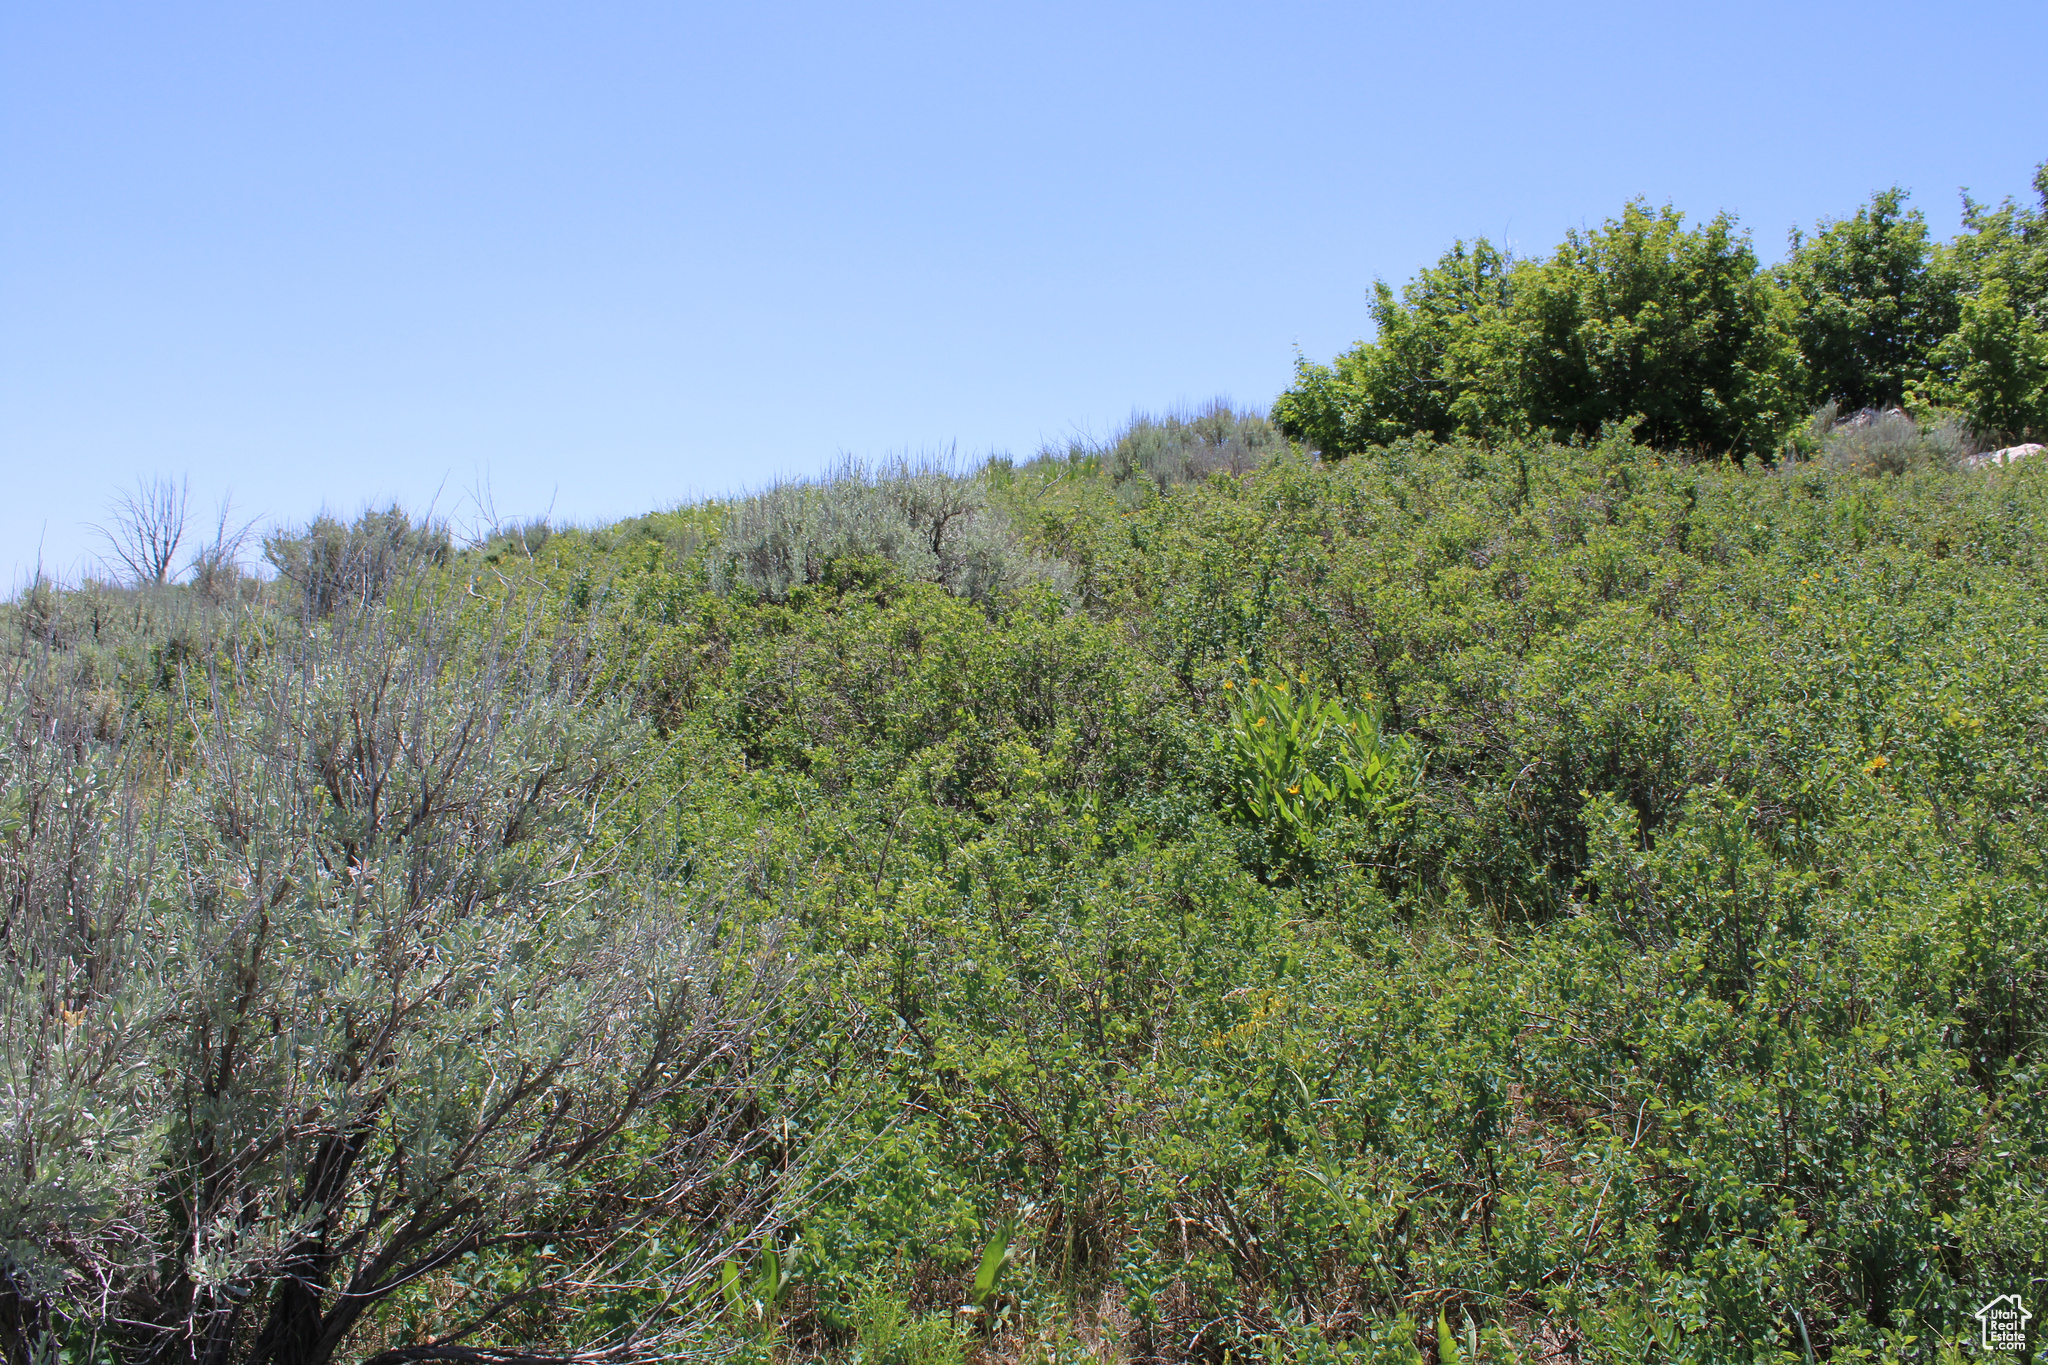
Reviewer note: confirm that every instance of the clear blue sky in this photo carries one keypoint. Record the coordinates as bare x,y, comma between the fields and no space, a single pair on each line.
613,255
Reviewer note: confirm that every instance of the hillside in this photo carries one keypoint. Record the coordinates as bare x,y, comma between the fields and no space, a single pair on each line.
1180,899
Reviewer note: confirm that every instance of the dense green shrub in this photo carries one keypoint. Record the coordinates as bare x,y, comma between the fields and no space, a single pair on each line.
1728,776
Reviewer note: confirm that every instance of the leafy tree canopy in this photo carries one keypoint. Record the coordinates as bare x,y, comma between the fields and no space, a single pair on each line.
1681,333
1872,295
1640,318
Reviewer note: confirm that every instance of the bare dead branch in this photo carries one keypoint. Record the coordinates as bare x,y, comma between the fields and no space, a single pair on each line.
145,525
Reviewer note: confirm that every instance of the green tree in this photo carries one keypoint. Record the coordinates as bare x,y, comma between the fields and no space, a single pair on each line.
1438,346
1639,318
1994,365
1872,296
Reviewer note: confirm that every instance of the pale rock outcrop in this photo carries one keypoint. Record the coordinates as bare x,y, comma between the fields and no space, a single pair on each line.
2003,457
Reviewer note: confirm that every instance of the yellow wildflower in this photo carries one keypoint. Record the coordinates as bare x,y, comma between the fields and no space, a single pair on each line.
1879,762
